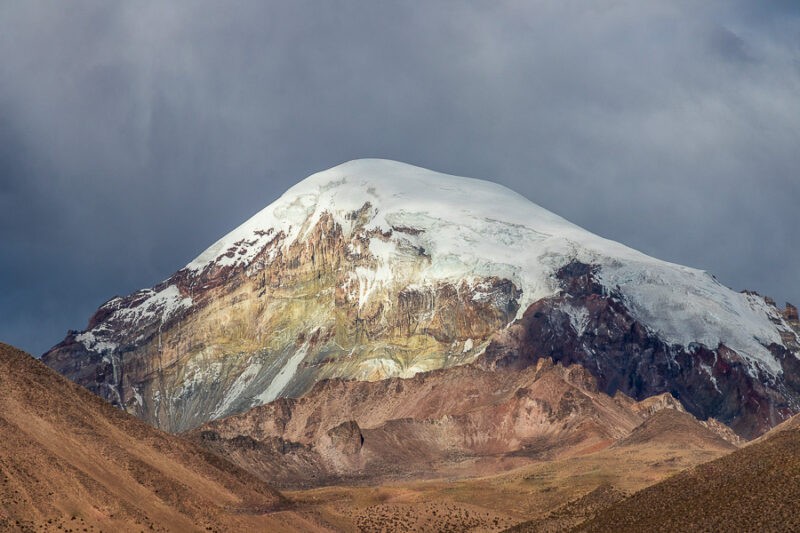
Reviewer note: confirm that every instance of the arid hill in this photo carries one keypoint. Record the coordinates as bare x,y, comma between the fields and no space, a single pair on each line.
554,494
756,488
70,461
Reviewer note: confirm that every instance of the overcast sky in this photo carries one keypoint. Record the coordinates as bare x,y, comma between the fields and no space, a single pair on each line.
133,135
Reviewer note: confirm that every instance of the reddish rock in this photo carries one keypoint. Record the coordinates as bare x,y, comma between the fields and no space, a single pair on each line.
428,425
623,355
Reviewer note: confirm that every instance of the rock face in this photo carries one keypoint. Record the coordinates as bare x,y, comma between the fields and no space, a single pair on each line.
790,314
431,424
625,355
376,269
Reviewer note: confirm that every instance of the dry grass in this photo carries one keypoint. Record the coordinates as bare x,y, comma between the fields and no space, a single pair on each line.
71,462
539,496
756,488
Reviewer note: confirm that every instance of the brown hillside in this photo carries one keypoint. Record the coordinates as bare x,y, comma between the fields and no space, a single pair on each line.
675,429
458,422
539,496
667,442
426,426
70,461
756,488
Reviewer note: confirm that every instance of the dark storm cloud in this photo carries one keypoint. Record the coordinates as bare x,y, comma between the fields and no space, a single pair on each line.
132,135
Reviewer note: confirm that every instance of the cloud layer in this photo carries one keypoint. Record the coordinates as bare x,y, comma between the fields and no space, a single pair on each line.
133,135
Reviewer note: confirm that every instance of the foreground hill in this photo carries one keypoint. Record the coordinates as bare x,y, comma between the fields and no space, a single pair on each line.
68,460
377,269
756,488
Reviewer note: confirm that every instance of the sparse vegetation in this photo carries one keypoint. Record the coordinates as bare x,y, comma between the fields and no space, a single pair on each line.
756,488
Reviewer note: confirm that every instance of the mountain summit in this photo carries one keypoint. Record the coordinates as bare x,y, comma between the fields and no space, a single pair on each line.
376,269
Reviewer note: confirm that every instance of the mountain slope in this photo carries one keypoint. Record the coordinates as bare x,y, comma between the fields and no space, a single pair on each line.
69,460
375,269
753,489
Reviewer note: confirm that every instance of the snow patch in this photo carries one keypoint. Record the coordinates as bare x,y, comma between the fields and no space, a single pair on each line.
578,318
137,397
161,306
236,389
283,378
94,344
157,307
707,370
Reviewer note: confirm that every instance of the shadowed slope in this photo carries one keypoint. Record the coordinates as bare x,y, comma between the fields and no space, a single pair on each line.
70,460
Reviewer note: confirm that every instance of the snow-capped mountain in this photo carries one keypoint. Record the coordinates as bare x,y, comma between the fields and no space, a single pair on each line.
375,269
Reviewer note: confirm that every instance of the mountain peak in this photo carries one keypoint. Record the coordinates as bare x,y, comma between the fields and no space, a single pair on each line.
471,227
392,189
376,269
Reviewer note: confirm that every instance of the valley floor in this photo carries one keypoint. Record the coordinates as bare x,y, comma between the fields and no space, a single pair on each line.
544,496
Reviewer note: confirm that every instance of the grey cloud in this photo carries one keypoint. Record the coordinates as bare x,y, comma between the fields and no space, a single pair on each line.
132,135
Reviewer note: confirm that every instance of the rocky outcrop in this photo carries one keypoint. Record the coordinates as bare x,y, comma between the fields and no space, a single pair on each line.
346,437
790,313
